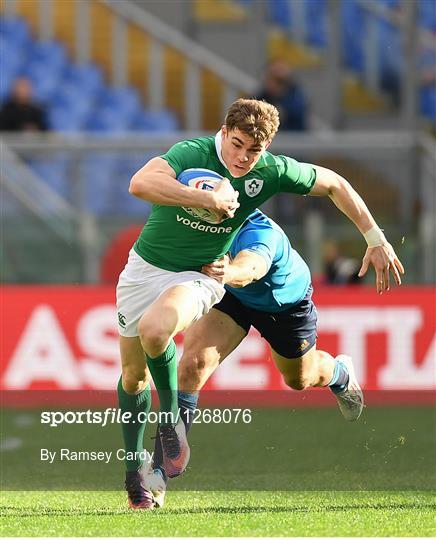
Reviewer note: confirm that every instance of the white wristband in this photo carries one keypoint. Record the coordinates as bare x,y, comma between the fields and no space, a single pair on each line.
375,237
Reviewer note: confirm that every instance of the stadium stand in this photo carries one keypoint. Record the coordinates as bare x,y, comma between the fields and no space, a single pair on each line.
76,94
354,34
77,99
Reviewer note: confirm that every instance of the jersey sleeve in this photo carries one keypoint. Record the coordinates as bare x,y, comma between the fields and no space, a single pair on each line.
185,155
263,242
295,177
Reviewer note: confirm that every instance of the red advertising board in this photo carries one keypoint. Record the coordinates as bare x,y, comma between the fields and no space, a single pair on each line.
65,338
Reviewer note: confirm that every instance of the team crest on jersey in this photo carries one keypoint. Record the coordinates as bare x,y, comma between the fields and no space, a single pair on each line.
253,186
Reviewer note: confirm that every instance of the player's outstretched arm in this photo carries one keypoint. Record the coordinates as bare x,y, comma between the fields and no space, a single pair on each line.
156,182
245,268
380,254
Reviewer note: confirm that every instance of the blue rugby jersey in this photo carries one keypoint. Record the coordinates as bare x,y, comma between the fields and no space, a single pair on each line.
288,276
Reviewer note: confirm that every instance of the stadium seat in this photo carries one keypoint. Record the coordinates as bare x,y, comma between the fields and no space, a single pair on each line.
279,13
16,30
54,170
316,23
98,174
124,99
428,102
75,94
61,119
11,57
73,99
156,120
427,14
108,119
88,76
11,64
51,53
390,3
353,34
44,80
123,203
390,55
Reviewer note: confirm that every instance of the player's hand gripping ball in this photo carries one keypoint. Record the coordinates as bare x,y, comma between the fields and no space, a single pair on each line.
202,179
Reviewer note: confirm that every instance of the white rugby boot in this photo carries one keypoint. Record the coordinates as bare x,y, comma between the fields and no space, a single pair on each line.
350,400
156,484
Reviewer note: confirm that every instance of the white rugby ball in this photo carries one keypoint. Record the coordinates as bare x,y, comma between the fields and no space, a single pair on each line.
201,179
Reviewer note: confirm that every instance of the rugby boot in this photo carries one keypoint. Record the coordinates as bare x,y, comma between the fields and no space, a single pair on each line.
350,400
155,482
175,449
138,496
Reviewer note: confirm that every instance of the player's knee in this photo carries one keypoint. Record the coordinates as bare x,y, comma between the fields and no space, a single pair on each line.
298,381
134,380
154,337
191,372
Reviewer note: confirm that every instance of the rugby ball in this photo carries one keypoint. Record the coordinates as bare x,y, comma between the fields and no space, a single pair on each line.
201,179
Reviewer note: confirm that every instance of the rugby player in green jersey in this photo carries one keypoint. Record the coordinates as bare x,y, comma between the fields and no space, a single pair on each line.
161,291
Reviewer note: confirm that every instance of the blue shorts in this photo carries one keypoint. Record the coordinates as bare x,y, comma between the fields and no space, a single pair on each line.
291,333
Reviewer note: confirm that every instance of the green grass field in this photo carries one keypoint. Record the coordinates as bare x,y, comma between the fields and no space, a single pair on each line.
290,472
221,514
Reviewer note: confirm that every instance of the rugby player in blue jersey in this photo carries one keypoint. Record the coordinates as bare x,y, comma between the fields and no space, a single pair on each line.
268,286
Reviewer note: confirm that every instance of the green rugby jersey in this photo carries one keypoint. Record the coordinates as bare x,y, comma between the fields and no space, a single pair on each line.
174,240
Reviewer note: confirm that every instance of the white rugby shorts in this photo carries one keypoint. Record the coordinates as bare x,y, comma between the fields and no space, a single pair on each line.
141,283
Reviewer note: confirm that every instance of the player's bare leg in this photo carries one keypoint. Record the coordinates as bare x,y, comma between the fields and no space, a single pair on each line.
319,368
315,368
135,375
207,343
173,312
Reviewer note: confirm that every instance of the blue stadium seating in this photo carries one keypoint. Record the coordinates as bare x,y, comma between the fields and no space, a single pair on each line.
45,80
62,119
428,102
353,22
354,34
122,202
427,14
316,23
76,95
156,120
15,29
108,119
280,13
98,172
55,171
125,99
88,77
51,53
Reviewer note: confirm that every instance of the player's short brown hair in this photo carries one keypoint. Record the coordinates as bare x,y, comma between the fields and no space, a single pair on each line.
257,119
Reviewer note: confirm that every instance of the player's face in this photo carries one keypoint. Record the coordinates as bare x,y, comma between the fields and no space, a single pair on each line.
240,152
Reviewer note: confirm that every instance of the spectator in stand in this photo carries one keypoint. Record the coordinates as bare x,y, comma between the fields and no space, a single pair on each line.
281,89
338,269
20,112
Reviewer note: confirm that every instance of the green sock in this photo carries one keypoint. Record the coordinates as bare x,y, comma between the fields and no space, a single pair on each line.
163,369
133,432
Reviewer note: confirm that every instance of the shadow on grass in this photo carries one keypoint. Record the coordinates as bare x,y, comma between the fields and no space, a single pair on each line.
13,511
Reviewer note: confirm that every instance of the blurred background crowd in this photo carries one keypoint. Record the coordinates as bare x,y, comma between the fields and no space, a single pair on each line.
90,90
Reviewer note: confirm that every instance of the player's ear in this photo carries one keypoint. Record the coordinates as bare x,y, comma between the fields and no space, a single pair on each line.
223,130
268,143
